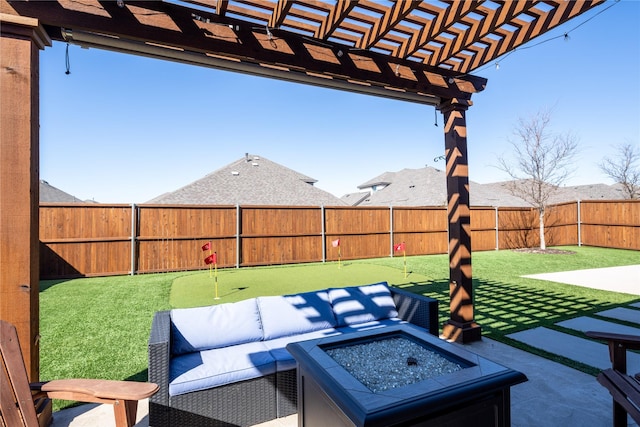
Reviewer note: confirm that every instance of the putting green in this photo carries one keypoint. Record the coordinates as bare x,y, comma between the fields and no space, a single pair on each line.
237,284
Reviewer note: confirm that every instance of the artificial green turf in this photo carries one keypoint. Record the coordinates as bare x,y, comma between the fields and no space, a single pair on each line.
99,327
238,284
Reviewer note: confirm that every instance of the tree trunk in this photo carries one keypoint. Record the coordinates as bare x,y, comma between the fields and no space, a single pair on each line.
543,244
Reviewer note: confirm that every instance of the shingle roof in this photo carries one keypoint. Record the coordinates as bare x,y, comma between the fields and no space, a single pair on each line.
567,193
49,193
427,187
354,199
591,192
251,180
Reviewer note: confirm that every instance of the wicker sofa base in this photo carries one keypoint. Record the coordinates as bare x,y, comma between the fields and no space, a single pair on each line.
245,403
286,393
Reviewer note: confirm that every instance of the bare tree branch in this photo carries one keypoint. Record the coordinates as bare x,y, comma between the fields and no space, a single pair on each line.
541,162
624,169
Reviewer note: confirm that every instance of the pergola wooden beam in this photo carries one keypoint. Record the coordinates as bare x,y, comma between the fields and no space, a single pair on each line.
195,36
22,38
461,325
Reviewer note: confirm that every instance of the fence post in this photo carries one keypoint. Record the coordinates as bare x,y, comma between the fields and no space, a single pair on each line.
497,231
134,232
391,231
579,225
324,240
238,225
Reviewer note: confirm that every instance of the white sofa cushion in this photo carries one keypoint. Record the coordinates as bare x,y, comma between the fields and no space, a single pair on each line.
213,368
288,315
284,359
359,304
203,328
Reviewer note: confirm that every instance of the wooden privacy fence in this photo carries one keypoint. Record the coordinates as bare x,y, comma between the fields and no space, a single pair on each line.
99,240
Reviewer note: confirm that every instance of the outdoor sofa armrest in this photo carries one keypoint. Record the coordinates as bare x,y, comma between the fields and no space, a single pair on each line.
618,345
417,309
159,355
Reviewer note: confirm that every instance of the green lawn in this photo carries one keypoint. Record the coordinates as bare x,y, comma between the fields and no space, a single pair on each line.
237,284
98,327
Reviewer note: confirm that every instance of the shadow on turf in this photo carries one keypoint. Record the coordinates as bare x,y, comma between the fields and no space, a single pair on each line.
503,308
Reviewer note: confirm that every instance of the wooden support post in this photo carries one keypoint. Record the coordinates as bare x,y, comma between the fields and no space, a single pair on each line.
461,326
20,42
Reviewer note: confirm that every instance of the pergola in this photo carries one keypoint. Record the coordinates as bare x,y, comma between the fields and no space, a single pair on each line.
415,51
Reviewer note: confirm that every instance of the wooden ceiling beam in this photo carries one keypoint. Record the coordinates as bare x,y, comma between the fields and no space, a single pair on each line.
446,36
196,35
221,7
280,12
444,18
510,13
389,20
334,18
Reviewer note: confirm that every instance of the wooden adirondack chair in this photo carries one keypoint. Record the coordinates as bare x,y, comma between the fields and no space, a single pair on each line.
21,403
625,389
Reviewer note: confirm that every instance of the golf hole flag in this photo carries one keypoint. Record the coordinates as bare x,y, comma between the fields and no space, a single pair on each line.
336,244
402,247
212,262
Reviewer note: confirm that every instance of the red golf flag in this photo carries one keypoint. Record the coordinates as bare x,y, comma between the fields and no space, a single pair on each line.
206,246
399,247
335,243
211,259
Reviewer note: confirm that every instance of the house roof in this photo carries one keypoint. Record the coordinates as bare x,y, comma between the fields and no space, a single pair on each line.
427,187
51,194
567,193
592,192
354,199
251,180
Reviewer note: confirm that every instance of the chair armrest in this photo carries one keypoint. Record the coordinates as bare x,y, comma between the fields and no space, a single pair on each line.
97,390
618,345
160,355
630,341
36,390
417,309
625,391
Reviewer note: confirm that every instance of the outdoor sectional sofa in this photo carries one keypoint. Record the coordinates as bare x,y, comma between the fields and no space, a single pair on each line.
227,365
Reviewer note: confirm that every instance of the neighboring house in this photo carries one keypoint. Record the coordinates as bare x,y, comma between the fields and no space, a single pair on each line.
251,180
427,187
568,193
49,193
421,187
590,192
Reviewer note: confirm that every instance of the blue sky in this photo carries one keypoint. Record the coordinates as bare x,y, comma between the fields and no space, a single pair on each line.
125,129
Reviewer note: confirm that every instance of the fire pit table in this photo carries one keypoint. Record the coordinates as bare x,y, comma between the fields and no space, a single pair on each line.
399,376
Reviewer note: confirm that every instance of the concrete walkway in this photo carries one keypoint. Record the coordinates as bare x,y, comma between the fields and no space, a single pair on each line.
555,394
625,279
622,320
